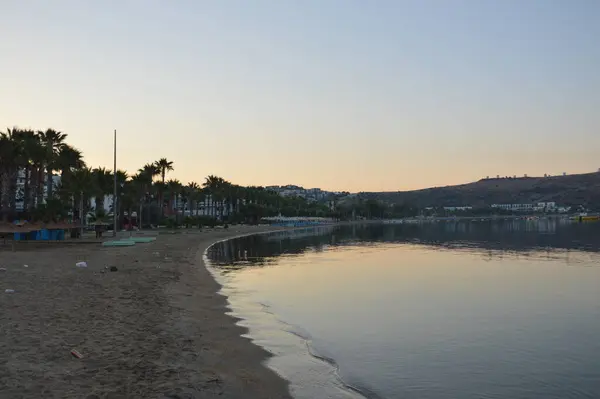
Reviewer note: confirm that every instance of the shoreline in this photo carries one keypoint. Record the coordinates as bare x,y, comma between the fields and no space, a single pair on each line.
156,328
251,378
339,385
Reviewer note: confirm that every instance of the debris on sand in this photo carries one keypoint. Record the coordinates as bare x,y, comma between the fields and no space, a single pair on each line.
76,354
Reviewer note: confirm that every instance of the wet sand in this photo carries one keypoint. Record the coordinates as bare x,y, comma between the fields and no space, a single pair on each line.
156,328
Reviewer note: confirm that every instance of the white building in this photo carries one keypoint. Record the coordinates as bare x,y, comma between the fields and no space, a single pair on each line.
546,206
514,207
21,189
310,194
108,203
207,207
540,206
457,208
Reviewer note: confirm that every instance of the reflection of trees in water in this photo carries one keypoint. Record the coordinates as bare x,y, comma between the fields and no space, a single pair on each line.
510,236
260,250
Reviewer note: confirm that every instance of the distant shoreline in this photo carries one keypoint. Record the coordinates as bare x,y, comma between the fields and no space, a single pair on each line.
485,218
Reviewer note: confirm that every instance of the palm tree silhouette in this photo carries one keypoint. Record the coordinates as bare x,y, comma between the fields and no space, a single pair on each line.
164,166
53,142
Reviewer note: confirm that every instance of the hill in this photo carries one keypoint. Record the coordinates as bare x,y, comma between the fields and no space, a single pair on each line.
580,189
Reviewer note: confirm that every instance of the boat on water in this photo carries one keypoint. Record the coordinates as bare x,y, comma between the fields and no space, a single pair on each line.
584,217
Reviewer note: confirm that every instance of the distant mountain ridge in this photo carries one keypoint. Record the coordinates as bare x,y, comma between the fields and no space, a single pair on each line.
569,190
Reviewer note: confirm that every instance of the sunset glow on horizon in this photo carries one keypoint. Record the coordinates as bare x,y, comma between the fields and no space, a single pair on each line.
341,95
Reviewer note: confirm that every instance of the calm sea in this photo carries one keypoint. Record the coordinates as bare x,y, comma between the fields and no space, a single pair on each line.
447,310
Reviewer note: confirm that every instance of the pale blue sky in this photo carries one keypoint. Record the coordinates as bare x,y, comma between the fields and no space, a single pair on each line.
343,95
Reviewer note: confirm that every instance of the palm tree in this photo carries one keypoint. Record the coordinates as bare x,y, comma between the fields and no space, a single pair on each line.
164,166
150,170
68,158
103,185
192,194
122,177
144,179
10,154
38,157
80,185
121,182
174,188
7,162
139,184
132,195
236,194
196,195
160,189
216,187
53,142
29,144
210,186
228,192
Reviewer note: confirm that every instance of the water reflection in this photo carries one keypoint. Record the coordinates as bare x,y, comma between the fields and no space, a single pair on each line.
436,311
549,237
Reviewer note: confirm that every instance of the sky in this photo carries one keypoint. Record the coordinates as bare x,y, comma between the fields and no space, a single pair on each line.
352,95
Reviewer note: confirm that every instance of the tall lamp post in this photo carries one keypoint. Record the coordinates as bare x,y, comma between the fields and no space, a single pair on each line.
115,185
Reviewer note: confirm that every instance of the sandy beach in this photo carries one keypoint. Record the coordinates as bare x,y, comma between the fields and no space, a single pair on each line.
156,328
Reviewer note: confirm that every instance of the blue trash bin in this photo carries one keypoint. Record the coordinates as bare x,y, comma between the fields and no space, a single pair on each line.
44,234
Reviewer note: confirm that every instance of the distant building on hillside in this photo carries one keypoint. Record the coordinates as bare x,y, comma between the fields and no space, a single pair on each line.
546,206
514,207
540,206
310,194
457,208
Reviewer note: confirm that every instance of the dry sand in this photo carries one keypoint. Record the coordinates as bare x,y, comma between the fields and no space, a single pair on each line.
156,328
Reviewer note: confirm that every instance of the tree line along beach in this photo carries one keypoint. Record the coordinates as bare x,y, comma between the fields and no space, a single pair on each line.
141,321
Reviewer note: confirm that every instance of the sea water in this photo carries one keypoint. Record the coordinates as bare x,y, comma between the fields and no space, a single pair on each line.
449,310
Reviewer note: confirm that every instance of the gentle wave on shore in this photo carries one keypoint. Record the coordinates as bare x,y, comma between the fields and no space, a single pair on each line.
310,373
436,312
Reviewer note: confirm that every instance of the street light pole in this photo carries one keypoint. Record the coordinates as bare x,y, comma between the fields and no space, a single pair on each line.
115,185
